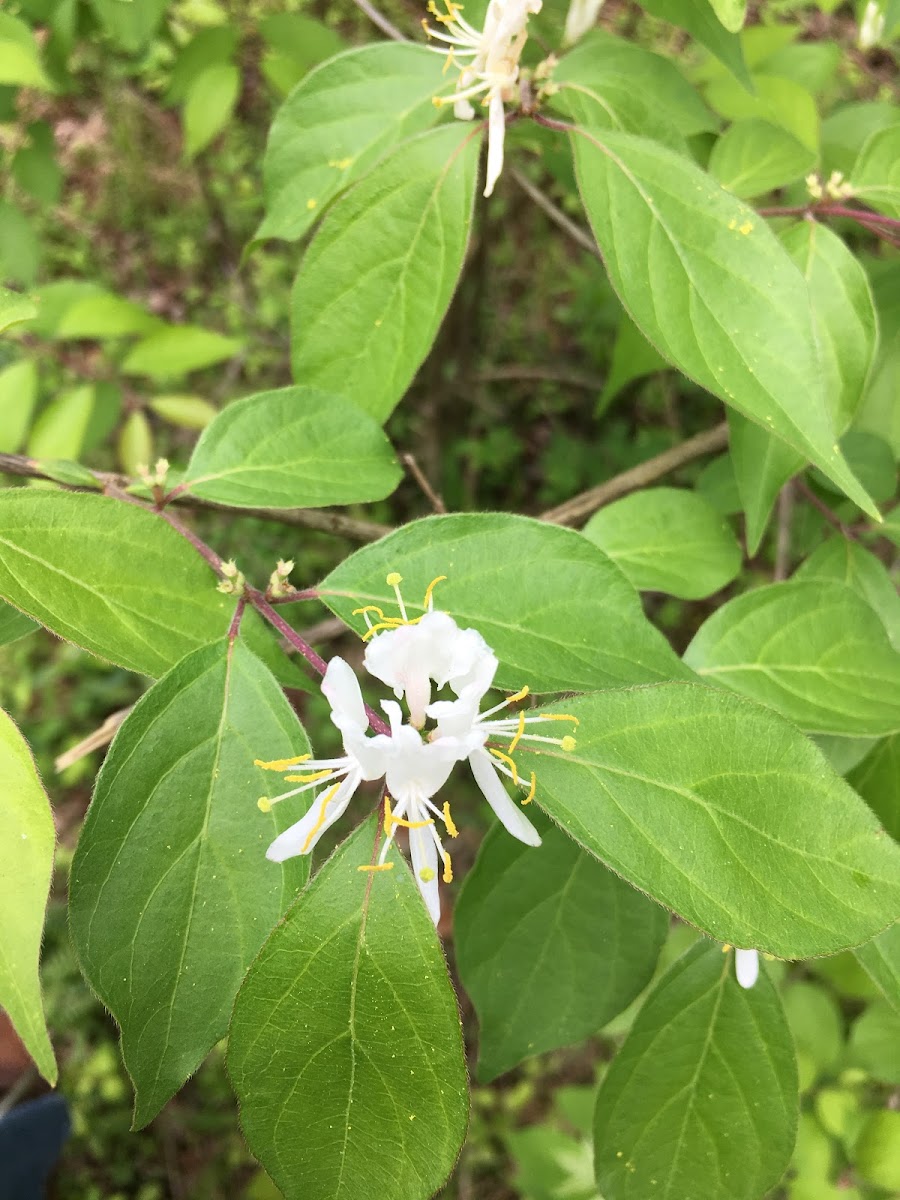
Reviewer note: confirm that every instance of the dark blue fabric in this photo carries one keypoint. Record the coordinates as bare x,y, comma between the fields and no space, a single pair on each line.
31,1140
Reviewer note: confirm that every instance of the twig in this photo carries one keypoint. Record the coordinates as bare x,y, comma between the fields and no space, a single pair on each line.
580,507
324,631
20,1088
527,374
434,498
820,506
382,22
831,210
94,741
783,540
556,215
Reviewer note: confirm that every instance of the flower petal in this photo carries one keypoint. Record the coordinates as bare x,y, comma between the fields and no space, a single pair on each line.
496,134
746,967
425,859
341,689
302,836
508,812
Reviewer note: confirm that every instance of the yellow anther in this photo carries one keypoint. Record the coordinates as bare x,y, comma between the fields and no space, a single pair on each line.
438,101
726,947
440,579
410,824
528,799
321,821
448,868
377,867
281,764
560,717
449,62
427,874
391,623
526,691
307,778
264,804
498,754
448,821
388,815
358,612
518,734
394,579
568,743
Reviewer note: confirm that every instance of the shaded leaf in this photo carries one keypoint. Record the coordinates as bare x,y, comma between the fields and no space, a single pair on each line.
754,157
877,779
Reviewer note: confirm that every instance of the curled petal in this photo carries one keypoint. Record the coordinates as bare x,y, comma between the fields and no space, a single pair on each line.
746,966
496,134
302,836
425,868
508,812
341,689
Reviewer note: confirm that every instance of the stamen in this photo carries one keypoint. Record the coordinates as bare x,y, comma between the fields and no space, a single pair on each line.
281,764
726,947
410,824
448,821
388,816
427,874
388,623
448,867
377,867
308,778
558,717
428,602
526,691
364,612
519,733
506,758
568,744
264,804
528,799
329,795
394,580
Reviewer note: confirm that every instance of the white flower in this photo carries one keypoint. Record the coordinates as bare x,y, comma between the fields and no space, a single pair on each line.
492,70
580,18
364,758
872,26
746,967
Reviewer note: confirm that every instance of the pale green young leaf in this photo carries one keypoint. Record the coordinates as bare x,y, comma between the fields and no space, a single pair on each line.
874,1043
701,22
208,106
104,315
177,351
573,624
20,59
702,1099
881,958
876,173
754,156
710,286
127,587
134,445
668,540
345,1048
778,101
877,779
550,945
14,625
60,428
129,25
872,460
338,122
813,650
292,448
722,811
850,563
18,395
847,129
26,864
14,308
876,1150
206,48
383,268
732,13
171,894
187,412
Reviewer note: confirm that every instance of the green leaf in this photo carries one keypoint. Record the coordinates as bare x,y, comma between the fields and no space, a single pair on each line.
292,448
20,250
26,865
816,1025
877,779
701,22
717,485
383,268
35,168
132,24
205,49
187,412
15,308
338,122
209,104
876,173
777,101
877,1150
18,395
702,1098
550,945
179,350
104,315
20,60
572,625
171,894
345,1048
845,132
850,563
872,460
812,650
875,1043
297,43
127,588
722,811
135,443
632,358
881,958
60,429
754,157
668,540
708,284
732,13
762,466
14,625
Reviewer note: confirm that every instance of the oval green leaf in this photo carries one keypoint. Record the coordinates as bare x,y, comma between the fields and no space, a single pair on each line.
876,173
754,157
881,958
559,615
852,564
292,448
725,813
382,269
813,650
550,945
877,779
14,308
177,351
345,1047
171,894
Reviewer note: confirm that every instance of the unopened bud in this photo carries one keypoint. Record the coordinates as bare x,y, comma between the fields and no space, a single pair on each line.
814,186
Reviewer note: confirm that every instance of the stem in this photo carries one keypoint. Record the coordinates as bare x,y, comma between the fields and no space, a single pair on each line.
783,540
234,627
381,21
199,545
556,215
820,506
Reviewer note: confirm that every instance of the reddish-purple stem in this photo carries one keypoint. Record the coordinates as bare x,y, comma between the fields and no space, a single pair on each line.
234,627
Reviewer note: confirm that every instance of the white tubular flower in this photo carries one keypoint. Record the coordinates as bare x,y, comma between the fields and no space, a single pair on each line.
872,25
746,967
410,655
364,758
581,17
489,66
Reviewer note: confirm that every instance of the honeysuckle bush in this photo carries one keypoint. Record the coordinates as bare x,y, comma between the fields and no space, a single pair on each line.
748,785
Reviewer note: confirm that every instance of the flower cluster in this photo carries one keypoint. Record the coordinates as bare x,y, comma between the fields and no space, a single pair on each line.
416,656
488,64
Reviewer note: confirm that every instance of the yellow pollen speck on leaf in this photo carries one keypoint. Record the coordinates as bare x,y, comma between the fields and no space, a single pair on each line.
426,874
746,228
311,204
568,743
341,164
394,579
264,804
732,224
725,948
